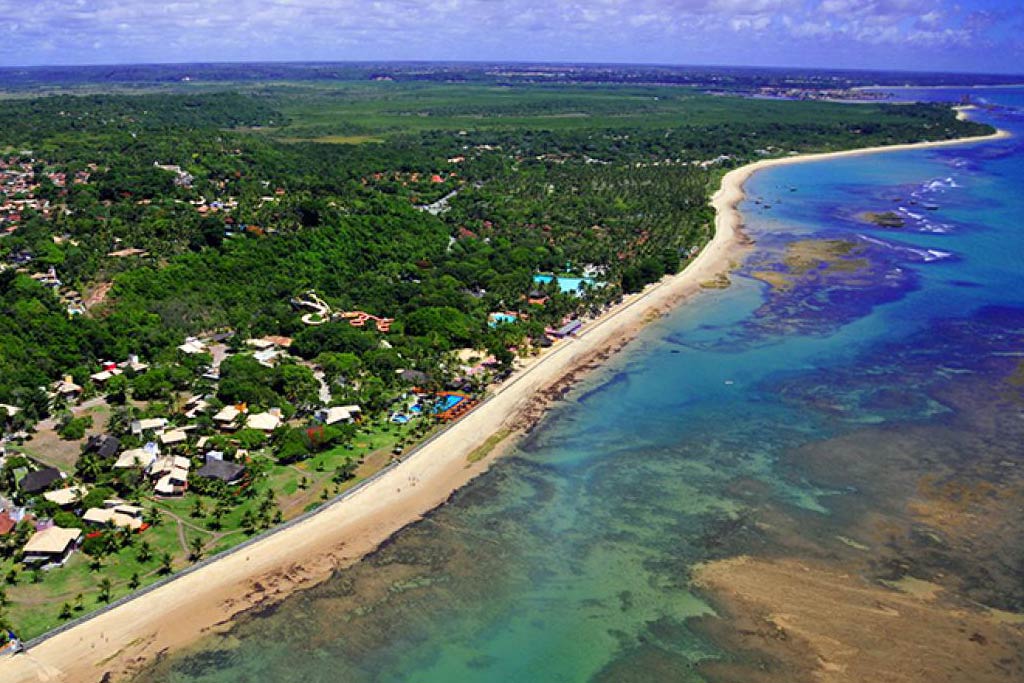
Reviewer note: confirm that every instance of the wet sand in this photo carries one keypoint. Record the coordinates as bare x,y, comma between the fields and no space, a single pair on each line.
120,641
902,633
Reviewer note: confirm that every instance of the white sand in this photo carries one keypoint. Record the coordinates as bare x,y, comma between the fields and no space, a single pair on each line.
180,612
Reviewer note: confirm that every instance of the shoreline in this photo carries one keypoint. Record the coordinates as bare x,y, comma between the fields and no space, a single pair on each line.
122,640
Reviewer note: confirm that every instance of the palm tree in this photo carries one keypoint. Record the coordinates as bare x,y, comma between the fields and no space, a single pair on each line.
105,587
145,553
197,549
215,519
248,523
5,628
133,582
89,467
165,564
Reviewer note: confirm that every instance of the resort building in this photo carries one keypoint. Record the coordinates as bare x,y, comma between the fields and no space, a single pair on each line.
175,436
136,458
192,346
265,422
336,414
40,480
121,516
67,389
103,445
568,329
174,483
226,418
51,546
227,472
7,523
153,424
104,376
66,497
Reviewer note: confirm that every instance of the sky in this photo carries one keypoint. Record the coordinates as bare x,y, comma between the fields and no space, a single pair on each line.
935,35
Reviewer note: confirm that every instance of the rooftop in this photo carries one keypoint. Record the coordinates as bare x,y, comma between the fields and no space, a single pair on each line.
52,541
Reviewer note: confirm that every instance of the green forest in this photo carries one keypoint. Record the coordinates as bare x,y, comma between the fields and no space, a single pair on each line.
542,179
289,285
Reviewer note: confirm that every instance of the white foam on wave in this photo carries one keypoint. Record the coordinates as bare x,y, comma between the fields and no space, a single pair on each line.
907,212
925,255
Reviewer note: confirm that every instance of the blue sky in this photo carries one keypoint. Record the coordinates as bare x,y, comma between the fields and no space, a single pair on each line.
965,35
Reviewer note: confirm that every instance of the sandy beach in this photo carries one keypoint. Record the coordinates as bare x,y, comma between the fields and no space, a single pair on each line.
118,642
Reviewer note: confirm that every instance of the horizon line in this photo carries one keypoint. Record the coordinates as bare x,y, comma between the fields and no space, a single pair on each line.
514,62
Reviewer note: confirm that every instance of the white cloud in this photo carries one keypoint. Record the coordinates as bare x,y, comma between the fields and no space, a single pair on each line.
184,30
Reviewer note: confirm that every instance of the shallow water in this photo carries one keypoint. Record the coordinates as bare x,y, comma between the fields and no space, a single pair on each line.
848,370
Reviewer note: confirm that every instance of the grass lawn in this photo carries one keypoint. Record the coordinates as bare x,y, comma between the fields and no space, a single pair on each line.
35,608
356,113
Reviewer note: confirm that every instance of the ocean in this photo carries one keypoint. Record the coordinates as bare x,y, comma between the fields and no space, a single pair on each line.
847,416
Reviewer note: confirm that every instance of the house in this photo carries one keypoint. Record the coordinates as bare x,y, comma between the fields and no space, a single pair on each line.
40,480
227,415
260,344
336,414
103,445
265,422
66,388
279,341
137,458
124,508
66,497
195,406
7,523
542,342
171,474
227,472
153,424
167,464
104,376
127,516
134,364
175,436
568,329
174,483
414,376
268,357
51,546
192,346
537,298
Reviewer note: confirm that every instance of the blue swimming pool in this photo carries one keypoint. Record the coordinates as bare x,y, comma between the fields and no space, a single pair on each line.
568,285
502,318
449,401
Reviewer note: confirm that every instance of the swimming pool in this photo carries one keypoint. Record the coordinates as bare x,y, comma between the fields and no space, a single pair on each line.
449,401
502,318
568,285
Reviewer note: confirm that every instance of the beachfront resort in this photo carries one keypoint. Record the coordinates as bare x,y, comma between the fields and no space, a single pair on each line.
147,468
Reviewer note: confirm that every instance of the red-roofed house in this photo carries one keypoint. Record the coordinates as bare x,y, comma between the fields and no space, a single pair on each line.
6,524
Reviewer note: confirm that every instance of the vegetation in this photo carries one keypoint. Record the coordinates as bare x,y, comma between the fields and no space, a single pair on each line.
431,206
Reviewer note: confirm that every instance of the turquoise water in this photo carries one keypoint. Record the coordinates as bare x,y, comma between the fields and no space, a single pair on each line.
502,319
449,401
849,371
568,285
